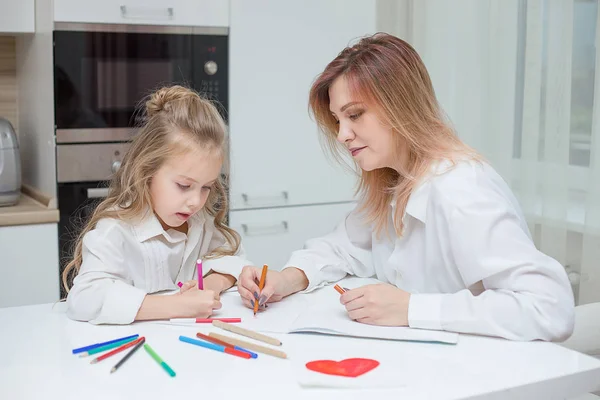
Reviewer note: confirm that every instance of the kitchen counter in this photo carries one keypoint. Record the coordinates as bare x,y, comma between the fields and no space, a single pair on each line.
33,208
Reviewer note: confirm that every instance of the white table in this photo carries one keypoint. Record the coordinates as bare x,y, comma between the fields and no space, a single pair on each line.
36,362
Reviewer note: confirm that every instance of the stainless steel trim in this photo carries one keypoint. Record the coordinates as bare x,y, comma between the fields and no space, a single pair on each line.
92,135
138,28
97,193
88,162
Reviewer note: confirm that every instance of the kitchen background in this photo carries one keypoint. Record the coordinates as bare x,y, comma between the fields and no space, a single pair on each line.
516,77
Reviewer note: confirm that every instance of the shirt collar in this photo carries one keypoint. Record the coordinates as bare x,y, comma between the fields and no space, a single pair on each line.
419,198
151,227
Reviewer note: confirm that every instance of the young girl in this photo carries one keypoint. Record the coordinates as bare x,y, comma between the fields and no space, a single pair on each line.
165,209
434,222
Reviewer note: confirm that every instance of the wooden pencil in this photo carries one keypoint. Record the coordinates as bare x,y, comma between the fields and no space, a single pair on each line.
250,346
115,351
261,285
129,354
248,333
339,289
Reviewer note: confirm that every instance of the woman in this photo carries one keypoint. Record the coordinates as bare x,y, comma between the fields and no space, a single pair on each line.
433,221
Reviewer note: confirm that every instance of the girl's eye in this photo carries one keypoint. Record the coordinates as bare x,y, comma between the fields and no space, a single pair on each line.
207,188
183,187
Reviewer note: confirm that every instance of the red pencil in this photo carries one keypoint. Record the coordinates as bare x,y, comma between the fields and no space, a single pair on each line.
205,320
117,350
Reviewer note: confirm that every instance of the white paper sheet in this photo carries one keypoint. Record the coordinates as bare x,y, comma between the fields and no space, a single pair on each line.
318,312
327,316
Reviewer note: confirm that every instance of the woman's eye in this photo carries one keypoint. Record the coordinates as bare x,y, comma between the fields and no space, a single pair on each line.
183,187
356,116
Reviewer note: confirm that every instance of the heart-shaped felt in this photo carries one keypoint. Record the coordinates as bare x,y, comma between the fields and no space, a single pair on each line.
351,367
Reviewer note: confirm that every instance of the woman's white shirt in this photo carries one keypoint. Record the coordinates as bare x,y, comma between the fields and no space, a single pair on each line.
122,262
466,256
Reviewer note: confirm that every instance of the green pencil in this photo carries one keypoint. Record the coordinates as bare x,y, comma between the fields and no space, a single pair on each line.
106,347
159,360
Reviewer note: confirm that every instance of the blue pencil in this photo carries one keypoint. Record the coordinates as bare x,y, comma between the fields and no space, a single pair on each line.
93,346
216,347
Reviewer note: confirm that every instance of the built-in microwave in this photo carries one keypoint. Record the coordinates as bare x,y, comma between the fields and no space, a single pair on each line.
103,71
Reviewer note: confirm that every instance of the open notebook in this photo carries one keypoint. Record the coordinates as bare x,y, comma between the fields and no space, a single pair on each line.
321,312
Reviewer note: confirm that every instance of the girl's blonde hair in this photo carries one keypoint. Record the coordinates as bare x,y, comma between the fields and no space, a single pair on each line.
388,74
176,120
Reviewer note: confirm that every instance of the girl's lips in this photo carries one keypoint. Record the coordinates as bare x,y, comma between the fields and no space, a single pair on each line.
183,216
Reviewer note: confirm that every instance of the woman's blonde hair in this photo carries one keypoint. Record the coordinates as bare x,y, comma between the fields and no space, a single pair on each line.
388,74
176,119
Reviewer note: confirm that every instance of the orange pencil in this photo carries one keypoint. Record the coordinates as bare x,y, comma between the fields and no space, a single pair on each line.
261,285
339,289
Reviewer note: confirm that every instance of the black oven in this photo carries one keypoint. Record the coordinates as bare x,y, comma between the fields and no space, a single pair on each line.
102,73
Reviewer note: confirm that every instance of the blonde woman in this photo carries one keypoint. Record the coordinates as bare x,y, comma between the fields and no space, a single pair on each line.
165,209
434,222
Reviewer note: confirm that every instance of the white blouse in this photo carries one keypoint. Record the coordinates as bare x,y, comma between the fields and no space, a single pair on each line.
466,256
122,262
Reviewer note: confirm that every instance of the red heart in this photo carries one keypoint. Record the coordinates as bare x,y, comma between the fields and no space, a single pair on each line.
351,367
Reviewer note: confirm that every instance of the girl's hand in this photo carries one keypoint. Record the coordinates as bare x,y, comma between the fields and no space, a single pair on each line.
195,303
380,304
188,285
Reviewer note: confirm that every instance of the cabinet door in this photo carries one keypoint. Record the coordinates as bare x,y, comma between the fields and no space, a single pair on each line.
277,49
17,16
146,12
28,264
269,236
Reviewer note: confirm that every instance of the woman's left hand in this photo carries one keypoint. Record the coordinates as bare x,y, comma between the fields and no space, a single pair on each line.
380,304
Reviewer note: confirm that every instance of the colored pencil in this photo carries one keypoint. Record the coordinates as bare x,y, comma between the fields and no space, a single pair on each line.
213,346
179,284
339,289
200,274
159,360
205,320
93,346
129,354
106,347
222,343
117,350
248,345
261,285
247,333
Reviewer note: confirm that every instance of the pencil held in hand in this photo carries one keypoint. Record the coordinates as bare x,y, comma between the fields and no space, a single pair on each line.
261,285
339,289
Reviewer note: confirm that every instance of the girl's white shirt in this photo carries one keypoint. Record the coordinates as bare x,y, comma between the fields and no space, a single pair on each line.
123,262
466,256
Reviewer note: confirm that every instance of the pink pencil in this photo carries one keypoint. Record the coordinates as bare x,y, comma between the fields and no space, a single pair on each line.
200,279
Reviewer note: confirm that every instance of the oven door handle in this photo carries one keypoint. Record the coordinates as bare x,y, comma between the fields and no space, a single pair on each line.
97,193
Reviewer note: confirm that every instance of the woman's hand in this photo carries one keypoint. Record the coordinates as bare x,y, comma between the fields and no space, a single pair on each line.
277,285
380,304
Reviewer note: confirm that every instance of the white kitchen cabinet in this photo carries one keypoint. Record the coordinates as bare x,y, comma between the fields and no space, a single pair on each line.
277,49
269,236
17,16
28,264
207,13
